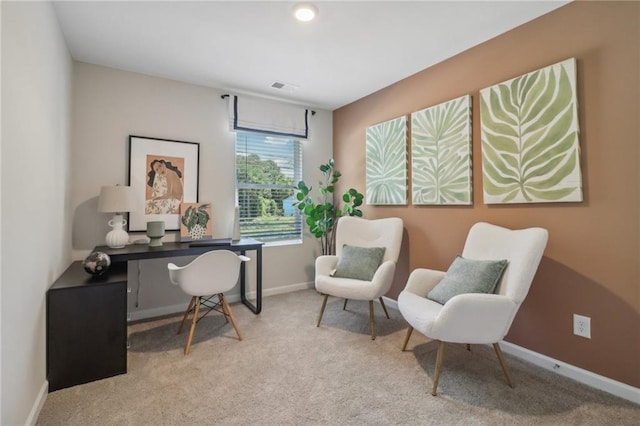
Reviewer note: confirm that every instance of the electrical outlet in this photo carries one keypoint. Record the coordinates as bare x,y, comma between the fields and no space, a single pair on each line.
582,326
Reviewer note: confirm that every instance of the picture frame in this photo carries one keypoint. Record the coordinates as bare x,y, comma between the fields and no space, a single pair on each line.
196,223
163,174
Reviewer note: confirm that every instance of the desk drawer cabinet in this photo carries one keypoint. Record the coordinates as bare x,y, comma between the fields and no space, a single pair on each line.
86,327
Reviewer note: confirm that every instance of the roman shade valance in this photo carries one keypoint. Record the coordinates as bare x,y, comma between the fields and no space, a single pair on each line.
266,116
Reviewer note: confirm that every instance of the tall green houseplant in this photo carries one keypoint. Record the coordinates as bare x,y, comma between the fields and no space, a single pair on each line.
322,215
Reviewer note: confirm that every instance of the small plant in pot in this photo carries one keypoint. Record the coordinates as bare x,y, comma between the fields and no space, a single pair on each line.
322,215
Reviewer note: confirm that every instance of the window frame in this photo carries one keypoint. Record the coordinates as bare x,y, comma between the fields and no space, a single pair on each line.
269,237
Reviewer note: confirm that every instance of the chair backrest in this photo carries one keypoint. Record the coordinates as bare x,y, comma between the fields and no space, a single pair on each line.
523,249
356,231
210,273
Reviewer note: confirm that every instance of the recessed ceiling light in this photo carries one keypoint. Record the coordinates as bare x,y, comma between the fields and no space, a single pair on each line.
305,12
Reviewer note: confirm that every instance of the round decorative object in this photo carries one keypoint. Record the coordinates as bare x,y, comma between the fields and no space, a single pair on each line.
97,263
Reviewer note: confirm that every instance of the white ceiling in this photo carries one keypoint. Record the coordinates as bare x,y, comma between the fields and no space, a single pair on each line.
352,49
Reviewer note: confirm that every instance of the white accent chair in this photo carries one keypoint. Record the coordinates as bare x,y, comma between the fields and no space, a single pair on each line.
360,232
475,318
205,279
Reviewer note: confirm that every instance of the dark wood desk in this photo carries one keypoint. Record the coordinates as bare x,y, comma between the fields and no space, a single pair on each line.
87,316
175,249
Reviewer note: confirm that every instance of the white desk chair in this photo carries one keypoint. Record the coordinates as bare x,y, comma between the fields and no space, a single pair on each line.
205,279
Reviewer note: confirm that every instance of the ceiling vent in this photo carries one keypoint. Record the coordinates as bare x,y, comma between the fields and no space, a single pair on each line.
284,86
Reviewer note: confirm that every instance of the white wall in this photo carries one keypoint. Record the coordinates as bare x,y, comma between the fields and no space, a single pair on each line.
51,173
36,220
110,105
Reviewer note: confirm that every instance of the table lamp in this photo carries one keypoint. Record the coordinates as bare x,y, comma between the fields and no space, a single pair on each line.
117,200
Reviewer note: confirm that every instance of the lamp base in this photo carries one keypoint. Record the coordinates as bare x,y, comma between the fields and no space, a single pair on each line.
117,237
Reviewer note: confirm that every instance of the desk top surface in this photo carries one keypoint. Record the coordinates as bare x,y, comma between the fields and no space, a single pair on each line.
173,249
75,276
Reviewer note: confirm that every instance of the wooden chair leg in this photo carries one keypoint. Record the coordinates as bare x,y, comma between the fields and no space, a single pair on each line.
406,339
436,376
503,364
186,313
344,307
226,315
193,326
372,323
384,308
324,305
228,312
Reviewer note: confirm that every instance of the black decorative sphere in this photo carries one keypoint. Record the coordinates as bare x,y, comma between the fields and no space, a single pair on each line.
97,263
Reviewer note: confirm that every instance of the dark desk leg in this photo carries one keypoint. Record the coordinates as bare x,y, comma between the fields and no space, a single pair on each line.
259,280
243,287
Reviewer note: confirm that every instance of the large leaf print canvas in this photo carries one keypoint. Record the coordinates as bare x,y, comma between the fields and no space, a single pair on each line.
441,153
530,148
386,174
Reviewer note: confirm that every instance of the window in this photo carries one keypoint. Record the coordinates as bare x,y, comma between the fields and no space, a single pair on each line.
267,170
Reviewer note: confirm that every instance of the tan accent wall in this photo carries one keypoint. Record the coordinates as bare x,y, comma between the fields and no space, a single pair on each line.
591,262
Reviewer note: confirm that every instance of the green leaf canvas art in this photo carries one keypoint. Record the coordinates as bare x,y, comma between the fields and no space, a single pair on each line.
386,173
530,147
441,153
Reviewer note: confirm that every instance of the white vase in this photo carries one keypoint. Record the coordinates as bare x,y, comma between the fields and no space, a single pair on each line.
235,234
117,237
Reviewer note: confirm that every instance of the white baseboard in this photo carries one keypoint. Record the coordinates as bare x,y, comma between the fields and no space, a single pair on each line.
38,404
605,384
594,380
157,312
280,290
232,298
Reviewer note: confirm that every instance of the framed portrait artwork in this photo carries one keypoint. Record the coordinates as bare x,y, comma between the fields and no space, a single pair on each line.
163,174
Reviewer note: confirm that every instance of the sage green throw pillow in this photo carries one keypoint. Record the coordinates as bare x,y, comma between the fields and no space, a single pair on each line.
468,276
360,263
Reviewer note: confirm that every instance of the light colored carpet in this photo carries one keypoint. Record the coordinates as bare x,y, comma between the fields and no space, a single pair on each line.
288,372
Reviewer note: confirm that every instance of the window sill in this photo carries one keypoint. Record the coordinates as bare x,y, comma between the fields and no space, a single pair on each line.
283,243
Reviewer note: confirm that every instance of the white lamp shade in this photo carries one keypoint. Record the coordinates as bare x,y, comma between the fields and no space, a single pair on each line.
117,199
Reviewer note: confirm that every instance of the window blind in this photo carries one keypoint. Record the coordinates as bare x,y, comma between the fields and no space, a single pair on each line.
267,170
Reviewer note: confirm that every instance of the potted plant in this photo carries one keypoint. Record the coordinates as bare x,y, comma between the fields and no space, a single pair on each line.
321,215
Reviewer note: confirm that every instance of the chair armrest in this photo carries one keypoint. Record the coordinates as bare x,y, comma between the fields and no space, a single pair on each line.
325,264
475,318
383,278
422,281
173,271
